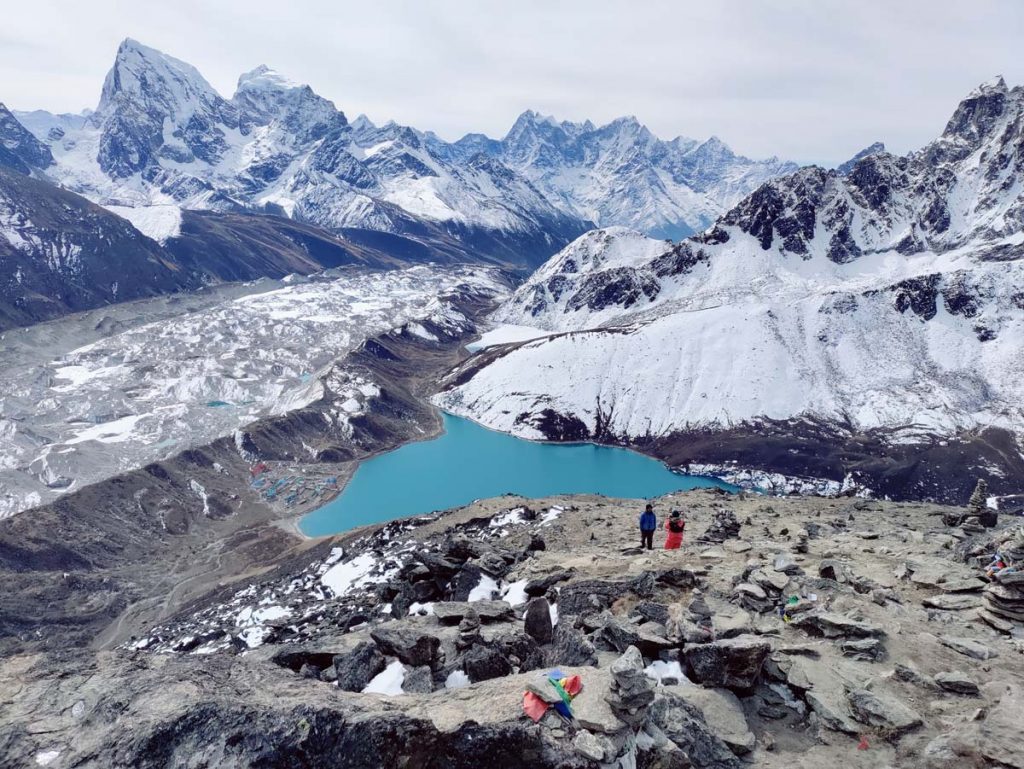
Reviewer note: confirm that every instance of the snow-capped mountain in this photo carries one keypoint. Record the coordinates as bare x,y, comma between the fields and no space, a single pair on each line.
621,174
886,302
161,135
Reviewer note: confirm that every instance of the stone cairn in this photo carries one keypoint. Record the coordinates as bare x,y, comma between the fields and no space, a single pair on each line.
632,691
1004,596
978,515
723,526
469,630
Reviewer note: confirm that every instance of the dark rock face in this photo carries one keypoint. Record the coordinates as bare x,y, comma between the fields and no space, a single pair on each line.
20,150
418,680
74,255
556,426
733,663
538,620
622,287
411,646
306,736
358,667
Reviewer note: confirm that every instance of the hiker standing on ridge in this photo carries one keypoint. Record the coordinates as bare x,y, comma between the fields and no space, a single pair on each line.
675,525
648,523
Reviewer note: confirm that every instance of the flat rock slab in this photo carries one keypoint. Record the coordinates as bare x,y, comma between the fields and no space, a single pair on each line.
833,625
956,682
452,612
953,601
962,585
883,711
969,647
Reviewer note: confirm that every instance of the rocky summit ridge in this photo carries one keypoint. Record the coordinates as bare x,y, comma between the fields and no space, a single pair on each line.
787,632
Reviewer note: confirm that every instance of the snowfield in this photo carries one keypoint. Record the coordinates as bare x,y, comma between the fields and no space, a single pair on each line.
161,387
161,223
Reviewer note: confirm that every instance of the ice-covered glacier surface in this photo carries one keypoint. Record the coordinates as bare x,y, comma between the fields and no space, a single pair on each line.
135,390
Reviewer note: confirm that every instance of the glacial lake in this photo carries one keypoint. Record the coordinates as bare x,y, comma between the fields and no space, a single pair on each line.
469,462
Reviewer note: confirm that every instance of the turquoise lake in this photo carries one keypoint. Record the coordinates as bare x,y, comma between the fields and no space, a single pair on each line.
470,462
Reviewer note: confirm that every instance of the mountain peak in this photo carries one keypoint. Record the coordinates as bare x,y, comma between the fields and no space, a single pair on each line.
995,84
149,74
872,149
978,115
265,78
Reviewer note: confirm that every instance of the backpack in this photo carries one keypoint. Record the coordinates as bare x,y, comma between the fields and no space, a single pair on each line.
676,525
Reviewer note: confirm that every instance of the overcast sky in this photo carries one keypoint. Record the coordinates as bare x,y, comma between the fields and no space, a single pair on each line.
810,80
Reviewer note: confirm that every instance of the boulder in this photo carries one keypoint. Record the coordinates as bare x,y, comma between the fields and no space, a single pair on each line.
482,663
589,596
467,578
616,634
590,746
590,707
910,675
732,663
958,683
679,577
883,711
752,597
358,667
997,738
411,645
570,647
723,713
864,649
520,650
537,620
969,647
418,680
832,569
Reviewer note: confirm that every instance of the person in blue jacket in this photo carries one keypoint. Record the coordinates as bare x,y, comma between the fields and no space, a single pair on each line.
648,525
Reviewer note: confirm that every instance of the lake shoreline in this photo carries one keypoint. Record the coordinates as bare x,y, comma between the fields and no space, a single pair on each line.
485,456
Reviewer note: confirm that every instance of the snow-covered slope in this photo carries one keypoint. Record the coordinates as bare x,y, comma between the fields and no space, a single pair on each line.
889,298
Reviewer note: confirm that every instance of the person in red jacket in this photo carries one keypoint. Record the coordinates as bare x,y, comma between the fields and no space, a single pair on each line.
674,526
